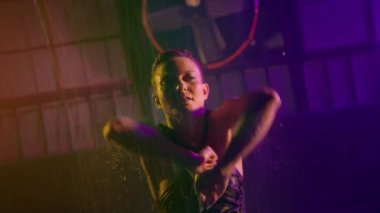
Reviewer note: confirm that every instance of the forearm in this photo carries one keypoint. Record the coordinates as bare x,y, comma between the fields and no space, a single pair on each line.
257,121
146,140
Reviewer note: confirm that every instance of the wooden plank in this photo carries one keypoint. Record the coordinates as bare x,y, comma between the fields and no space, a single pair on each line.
31,133
45,97
9,144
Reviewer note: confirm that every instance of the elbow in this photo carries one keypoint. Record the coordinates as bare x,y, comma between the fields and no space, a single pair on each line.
270,97
274,98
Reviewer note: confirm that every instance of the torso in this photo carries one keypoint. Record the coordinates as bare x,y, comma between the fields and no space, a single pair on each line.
211,133
218,139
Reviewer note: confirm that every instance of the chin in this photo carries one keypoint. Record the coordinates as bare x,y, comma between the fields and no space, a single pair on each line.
196,110
191,108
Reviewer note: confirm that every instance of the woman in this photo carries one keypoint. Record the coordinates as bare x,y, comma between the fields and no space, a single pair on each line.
192,138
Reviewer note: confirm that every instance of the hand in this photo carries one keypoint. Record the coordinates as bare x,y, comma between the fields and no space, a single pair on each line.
210,160
124,124
211,185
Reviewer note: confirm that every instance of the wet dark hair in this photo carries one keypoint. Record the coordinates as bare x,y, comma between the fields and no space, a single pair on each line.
168,55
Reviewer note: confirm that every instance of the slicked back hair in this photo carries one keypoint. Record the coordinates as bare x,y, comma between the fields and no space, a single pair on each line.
167,56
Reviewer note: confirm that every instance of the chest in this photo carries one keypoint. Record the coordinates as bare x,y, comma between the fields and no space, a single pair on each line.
219,139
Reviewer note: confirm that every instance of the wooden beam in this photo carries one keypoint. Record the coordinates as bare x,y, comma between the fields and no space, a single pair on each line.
69,93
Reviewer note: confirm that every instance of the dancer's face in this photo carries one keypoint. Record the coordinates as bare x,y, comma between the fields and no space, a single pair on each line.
179,86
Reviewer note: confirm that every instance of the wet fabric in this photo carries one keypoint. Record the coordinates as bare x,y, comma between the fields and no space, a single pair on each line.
180,196
232,201
179,193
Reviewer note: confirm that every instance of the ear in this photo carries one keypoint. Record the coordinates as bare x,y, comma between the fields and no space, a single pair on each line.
157,102
206,90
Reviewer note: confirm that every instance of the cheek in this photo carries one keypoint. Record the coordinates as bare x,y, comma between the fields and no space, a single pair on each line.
200,94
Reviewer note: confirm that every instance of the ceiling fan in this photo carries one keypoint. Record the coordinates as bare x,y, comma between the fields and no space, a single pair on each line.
200,15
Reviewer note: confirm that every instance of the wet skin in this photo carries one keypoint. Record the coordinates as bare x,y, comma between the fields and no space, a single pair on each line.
179,89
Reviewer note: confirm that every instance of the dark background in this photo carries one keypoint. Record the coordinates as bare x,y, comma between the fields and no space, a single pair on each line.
68,66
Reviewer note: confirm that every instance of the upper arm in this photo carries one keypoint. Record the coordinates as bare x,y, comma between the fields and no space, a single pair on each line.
229,114
113,134
251,116
147,140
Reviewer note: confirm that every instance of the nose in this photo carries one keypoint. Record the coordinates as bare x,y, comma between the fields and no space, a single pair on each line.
181,86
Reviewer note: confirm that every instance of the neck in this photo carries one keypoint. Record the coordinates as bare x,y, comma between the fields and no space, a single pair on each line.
187,121
188,129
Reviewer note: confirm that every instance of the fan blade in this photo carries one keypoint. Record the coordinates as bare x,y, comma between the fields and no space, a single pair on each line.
168,19
219,8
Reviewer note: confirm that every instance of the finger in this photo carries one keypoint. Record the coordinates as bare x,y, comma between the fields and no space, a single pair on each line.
214,162
211,159
211,165
208,161
210,200
213,156
214,198
202,197
207,203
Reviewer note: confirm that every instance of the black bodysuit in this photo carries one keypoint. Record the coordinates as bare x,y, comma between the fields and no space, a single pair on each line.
179,194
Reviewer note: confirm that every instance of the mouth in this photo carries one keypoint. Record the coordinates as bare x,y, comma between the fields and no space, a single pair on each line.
186,100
